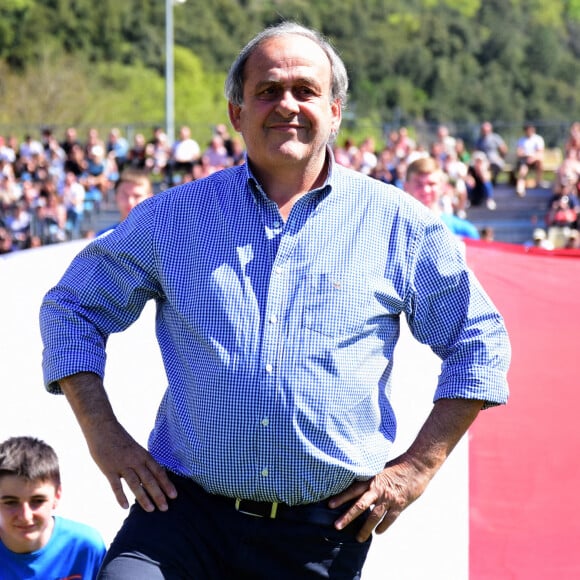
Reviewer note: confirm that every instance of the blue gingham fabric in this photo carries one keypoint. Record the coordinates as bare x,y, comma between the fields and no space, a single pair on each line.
277,337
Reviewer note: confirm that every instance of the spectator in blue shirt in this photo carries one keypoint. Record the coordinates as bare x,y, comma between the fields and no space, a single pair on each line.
279,286
424,181
132,187
34,543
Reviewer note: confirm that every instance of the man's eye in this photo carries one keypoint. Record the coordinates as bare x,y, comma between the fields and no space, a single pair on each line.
304,92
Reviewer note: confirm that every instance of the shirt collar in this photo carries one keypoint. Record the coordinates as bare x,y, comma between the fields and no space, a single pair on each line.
320,192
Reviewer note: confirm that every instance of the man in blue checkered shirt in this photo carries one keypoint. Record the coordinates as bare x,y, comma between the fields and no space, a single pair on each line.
279,287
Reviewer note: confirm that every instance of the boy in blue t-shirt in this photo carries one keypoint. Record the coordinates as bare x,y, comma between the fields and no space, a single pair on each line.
33,542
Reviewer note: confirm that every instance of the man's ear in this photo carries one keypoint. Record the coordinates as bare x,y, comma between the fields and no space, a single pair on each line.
336,115
234,114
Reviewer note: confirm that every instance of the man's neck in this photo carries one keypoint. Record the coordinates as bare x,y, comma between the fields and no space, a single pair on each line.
286,187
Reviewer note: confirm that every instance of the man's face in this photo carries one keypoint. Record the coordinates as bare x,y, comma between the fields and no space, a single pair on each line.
287,117
26,509
129,195
425,187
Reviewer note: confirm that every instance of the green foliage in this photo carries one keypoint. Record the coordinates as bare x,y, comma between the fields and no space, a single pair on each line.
81,61
572,9
200,102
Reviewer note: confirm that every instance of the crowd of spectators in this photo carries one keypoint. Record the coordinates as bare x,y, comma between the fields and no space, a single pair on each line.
471,174
51,190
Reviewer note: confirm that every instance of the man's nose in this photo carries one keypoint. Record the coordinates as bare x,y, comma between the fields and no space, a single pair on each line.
288,103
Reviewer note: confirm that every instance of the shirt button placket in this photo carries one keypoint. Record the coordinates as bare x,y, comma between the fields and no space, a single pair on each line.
270,343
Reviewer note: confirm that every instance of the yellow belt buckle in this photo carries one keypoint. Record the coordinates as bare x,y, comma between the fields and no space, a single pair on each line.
273,509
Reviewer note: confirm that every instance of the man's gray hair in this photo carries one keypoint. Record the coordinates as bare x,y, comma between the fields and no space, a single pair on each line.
234,85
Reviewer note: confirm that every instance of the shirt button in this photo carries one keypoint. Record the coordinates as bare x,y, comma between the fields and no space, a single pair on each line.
276,224
265,472
269,368
265,422
273,319
278,270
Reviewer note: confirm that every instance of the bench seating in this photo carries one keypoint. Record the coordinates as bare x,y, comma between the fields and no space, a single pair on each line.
553,158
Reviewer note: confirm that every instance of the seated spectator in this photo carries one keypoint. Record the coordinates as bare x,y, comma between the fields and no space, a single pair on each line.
227,139
400,174
238,151
494,147
73,197
101,173
117,148
540,240
160,152
18,225
5,240
137,156
56,158
93,140
456,171
425,182
49,222
367,158
404,144
462,152
438,153
76,161
70,139
573,241
201,168
573,141
7,154
446,143
478,181
346,154
384,170
561,219
217,154
530,155
185,152
10,191
29,192
487,233
34,543
568,174
29,147
565,191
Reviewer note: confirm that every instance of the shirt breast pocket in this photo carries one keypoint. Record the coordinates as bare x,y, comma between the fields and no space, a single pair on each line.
336,304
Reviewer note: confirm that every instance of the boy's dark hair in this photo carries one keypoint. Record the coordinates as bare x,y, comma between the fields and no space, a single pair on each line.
29,458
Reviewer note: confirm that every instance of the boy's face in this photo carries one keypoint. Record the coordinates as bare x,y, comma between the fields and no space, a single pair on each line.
26,509
129,195
426,187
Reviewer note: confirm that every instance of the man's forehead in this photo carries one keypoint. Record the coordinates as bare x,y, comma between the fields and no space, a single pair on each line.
288,52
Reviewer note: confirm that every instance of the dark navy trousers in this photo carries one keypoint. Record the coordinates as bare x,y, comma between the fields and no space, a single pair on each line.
202,536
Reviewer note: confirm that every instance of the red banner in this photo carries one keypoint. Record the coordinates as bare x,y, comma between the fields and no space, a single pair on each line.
525,457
